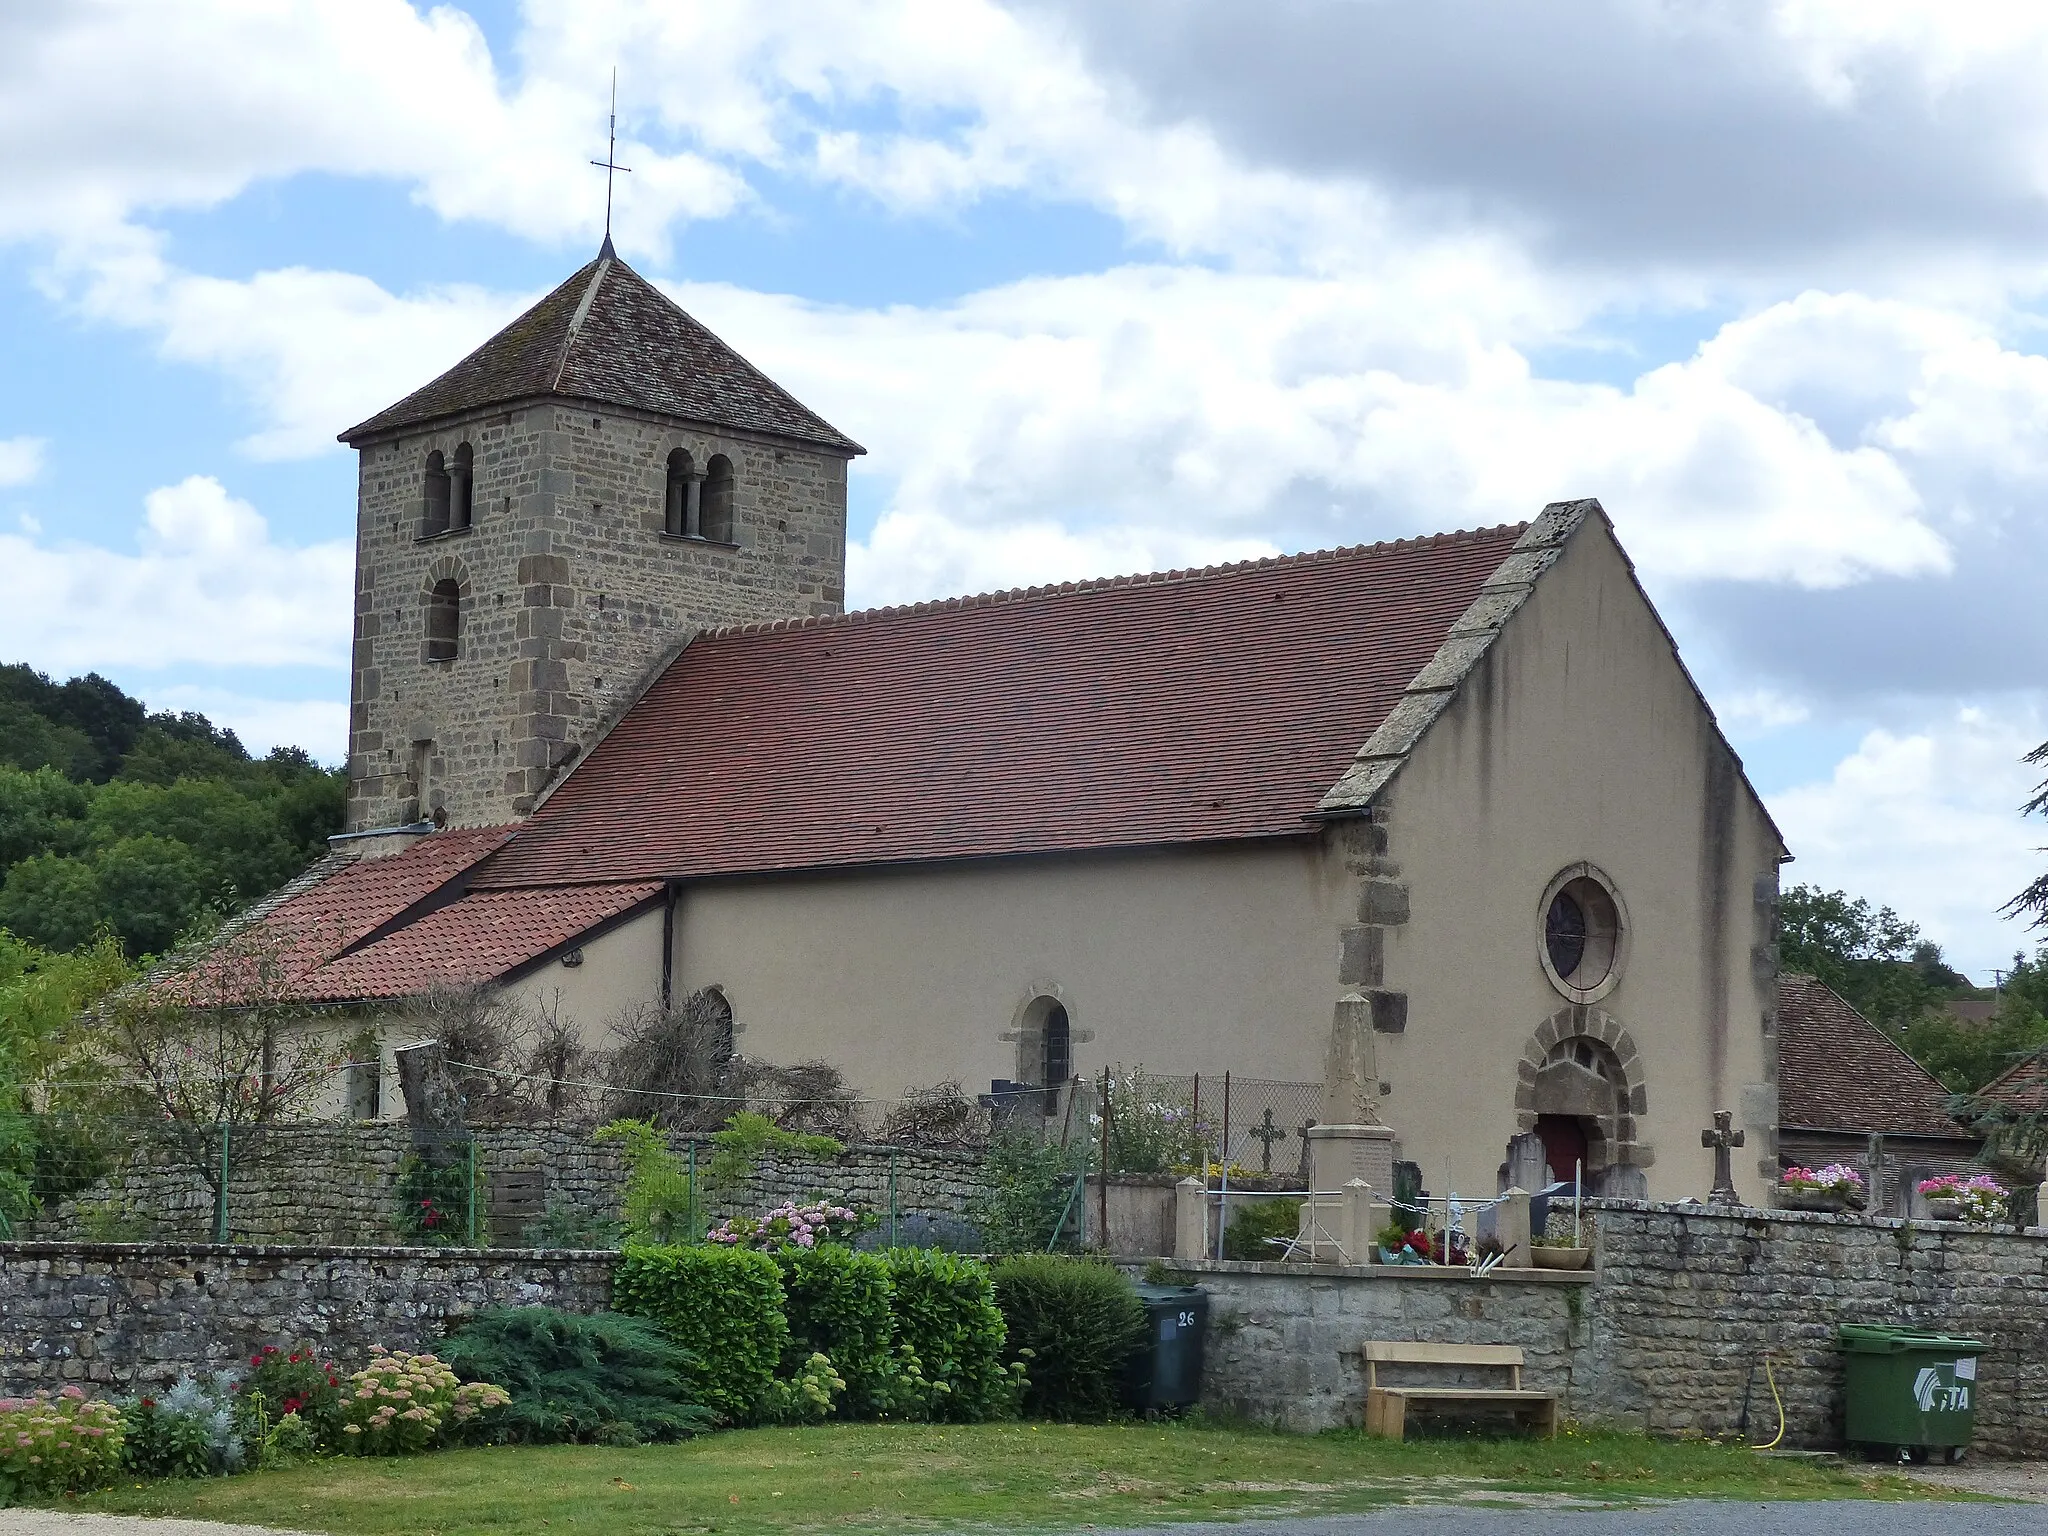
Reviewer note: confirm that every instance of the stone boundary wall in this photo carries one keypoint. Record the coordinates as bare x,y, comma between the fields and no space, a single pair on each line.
1689,1298
122,1317
336,1185
1668,1333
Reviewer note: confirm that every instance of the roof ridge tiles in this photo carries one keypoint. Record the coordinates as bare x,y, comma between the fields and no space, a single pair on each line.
1093,584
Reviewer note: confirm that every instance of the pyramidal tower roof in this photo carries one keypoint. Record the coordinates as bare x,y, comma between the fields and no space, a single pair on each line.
610,337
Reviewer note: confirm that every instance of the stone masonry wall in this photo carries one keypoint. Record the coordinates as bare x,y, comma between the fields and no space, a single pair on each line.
571,592
128,1317
337,1184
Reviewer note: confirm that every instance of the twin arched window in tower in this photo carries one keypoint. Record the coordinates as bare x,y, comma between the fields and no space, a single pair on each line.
698,504
451,491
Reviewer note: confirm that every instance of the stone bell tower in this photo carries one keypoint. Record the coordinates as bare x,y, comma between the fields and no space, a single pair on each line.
547,522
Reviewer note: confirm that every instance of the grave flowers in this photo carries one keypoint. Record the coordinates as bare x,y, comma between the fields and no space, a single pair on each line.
1979,1199
1835,1187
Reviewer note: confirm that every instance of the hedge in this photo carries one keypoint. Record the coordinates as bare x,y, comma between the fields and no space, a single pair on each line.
837,1302
946,1315
1080,1321
723,1305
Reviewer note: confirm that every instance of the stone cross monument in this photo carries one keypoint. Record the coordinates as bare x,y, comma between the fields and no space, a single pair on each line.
1723,1141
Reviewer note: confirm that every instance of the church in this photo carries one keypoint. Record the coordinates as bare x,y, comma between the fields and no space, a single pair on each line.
1443,820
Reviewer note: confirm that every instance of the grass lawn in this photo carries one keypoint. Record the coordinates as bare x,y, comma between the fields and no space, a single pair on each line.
867,1477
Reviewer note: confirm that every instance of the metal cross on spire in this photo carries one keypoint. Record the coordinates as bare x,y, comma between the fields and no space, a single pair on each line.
609,163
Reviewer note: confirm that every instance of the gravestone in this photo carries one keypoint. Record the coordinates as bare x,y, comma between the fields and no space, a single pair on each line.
1624,1181
1525,1166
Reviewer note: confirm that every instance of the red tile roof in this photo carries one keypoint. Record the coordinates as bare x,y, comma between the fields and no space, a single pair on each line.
359,897
1839,1072
478,938
2023,1086
1181,707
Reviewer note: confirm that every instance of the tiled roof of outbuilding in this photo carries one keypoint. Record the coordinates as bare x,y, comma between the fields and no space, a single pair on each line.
478,938
609,336
1839,1072
1173,708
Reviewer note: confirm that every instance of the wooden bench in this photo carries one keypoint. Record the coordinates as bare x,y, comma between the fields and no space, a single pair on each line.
1386,1408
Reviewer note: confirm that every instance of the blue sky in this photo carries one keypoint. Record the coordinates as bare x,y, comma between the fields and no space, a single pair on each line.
1103,290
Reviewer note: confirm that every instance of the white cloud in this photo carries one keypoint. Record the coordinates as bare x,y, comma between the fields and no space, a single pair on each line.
1926,821
21,460
207,586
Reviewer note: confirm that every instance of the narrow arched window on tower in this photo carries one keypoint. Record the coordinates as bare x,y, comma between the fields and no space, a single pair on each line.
718,499
436,519
679,515
462,497
444,621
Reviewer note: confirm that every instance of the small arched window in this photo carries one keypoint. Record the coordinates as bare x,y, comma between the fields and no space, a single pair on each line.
444,621
679,515
1055,1055
436,520
462,491
717,524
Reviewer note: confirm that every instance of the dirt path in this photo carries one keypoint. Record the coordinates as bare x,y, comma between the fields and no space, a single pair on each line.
2001,1479
43,1522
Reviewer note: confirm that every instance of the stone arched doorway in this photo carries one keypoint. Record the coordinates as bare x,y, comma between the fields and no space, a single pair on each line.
1579,1096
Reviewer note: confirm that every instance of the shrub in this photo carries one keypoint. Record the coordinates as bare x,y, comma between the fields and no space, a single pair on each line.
837,1302
433,1201
1256,1221
1025,1200
946,1318
604,1378
722,1305
737,1150
280,1383
57,1443
193,1430
788,1225
1074,1325
661,1198
401,1404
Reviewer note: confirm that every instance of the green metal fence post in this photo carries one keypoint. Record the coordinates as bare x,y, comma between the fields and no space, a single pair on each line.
220,1204
470,1147
696,1225
892,1197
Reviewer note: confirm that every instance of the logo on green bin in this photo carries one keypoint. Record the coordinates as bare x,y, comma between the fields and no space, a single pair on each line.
1945,1388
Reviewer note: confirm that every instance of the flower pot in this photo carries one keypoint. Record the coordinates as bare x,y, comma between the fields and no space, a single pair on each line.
1812,1200
1562,1258
1944,1210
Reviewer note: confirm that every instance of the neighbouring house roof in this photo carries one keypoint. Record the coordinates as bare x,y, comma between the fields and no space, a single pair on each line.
1188,706
2022,1086
1839,1072
610,337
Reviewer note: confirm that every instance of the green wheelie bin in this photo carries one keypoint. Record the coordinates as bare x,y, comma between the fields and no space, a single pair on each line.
1910,1393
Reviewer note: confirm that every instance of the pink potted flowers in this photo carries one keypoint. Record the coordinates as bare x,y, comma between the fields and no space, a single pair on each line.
1979,1199
1836,1187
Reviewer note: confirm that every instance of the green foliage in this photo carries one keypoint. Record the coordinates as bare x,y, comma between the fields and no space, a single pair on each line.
433,1200
292,1382
806,1397
1876,960
722,1305
197,1429
604,1379
139,825
401,1404
1152,1126
1967,1056
738,1149
946,1316
1028,1184
1253,1225
660,1204
837,1302
1073,1324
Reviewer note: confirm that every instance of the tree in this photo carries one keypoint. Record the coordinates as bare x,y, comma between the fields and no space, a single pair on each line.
1875,959
213,1046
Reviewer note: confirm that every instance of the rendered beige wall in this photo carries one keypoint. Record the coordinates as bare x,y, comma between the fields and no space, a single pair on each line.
1192,961
1576,738
621,969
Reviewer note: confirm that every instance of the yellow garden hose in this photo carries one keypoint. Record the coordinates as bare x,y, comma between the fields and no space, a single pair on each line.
1771,1377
